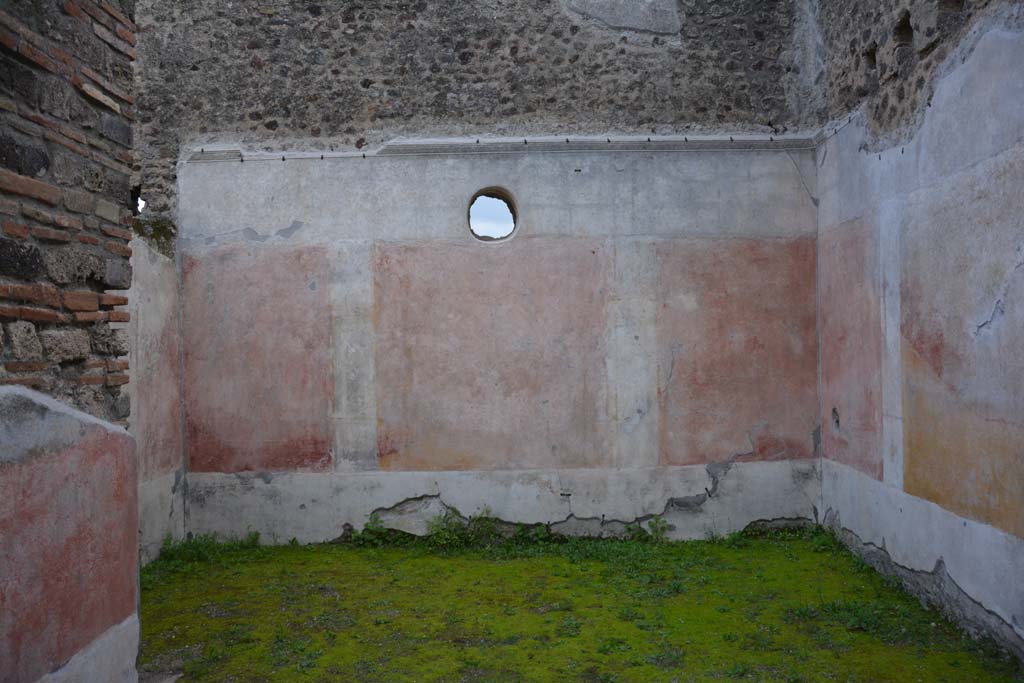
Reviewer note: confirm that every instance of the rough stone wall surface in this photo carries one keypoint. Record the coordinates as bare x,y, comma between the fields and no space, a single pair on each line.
65,165
68,538
358,73
885,55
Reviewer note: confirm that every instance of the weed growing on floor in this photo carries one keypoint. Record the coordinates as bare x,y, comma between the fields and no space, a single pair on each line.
480,600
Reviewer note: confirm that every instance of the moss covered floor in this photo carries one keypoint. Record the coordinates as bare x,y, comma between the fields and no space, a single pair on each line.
778,606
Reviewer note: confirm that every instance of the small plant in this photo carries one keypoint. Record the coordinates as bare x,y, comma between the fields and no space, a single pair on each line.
630,614
447,532
636,532
532,534
193,554
738,670
374,534
658,529
288,649
484,529
610,645
669,657
569,627
736,539
824,540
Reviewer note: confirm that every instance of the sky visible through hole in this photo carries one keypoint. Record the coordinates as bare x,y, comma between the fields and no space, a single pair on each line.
490,217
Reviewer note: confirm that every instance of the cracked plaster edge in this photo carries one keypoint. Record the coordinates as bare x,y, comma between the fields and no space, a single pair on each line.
931,587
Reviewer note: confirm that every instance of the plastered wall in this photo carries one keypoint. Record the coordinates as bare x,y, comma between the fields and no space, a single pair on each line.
68,544
921,249
654,309
156,400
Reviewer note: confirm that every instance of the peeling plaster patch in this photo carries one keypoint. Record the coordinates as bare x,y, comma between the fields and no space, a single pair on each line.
716,470
649,16
290,230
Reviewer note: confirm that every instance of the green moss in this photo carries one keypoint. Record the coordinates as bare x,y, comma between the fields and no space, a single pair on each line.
158,230
527,606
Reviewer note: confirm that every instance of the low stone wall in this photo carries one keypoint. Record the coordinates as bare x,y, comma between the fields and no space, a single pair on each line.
68,544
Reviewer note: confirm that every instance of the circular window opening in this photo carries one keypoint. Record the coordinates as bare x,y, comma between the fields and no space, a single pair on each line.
492,215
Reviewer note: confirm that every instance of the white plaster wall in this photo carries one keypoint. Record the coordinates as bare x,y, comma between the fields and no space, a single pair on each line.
718,188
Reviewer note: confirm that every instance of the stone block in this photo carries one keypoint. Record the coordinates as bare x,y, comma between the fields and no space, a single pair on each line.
22,156
18,260
24,340
117,273
108,341
73,264
108,211
117,129
65,345
79,202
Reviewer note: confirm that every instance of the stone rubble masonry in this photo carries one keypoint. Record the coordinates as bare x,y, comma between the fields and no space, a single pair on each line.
66,116
885,55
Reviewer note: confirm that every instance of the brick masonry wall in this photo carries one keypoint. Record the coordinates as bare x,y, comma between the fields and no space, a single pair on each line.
347,75
66,113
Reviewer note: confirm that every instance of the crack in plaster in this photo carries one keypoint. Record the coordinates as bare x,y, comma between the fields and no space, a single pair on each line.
803,181
716,471
999,309
938,574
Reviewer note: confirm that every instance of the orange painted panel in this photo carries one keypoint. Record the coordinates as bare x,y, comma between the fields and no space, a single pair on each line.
737,342
492,356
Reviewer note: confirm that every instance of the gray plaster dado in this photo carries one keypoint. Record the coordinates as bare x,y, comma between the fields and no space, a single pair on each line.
731,192
985,563
161,513
110,658
696,501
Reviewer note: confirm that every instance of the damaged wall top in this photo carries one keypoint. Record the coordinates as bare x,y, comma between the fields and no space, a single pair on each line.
355,74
